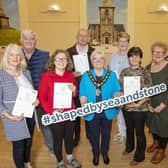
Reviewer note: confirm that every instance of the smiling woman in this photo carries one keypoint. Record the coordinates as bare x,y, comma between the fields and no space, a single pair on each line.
97,85
51,102
18,129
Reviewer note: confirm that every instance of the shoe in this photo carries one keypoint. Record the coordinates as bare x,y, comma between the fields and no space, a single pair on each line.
134,163
153,147
74,163
116,137
158,156
61,166
52,154
125,152
95,160
106,159
75,142
27,165
121,139
87,135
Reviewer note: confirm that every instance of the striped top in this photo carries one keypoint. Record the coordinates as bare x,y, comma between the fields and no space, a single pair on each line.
37,64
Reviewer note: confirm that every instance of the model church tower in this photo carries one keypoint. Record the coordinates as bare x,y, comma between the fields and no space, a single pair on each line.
106,11
4,21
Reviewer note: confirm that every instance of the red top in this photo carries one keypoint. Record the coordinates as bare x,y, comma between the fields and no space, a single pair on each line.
46,89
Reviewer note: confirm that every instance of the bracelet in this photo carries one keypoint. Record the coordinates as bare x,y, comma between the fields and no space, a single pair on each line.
3,115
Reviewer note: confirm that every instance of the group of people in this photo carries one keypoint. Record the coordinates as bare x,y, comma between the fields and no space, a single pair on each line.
32,68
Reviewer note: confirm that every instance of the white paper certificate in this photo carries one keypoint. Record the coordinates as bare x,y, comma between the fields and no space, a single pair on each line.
23,105
62,95
131,84
81,63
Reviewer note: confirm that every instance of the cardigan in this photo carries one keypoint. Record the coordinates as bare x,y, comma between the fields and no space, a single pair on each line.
46,89
14,130
110,87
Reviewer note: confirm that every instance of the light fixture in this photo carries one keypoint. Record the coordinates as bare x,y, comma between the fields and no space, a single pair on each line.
162,8
158,6
53,8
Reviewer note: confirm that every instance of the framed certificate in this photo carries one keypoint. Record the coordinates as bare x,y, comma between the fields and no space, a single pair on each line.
131,84
23,105
81,63
62,95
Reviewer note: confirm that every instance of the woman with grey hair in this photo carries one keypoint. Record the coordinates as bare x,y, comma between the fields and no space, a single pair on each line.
157,118
18,129
97,85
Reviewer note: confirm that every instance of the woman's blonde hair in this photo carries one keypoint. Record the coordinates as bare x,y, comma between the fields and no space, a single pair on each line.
160,45
123,35
5,63
51,65
97,52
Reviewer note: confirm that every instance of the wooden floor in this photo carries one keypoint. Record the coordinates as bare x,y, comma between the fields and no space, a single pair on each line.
42,159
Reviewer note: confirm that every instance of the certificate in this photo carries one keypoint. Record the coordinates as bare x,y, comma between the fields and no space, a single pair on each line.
23,105
131,84
62,95
81,63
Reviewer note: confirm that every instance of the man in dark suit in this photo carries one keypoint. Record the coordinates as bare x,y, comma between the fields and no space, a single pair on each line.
80,48
37,60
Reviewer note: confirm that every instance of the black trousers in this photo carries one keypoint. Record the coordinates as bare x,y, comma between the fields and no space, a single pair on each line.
22,148
99,135
135,123
45,130
62,131
162,141
77,121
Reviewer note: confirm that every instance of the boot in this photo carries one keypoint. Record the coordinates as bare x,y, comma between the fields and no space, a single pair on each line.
153,147
158,156
27,165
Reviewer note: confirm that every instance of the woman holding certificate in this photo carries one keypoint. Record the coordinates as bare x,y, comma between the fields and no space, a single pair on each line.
157,118
132,79
97,85
56,91
18,129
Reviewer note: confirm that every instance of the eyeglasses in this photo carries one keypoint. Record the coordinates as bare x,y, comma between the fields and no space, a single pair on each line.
60,59
123,41
157,52
98,59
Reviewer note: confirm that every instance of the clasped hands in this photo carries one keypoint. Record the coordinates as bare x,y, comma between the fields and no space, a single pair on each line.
157,109
19,118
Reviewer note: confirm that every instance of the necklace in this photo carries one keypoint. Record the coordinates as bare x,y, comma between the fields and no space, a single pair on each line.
16,73
156,67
